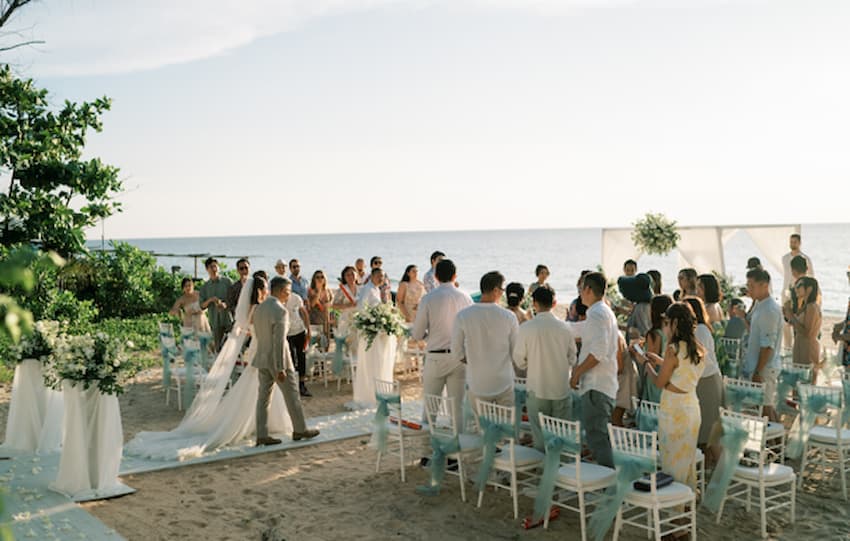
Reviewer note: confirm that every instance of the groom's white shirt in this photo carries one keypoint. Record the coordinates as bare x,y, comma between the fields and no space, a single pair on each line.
369,295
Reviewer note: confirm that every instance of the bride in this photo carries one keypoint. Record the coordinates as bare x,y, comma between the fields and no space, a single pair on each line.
216,420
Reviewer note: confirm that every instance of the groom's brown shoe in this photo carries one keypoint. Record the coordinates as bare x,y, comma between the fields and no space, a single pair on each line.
267,441
306,435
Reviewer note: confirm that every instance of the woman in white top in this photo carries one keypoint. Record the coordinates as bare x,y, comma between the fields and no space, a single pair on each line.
710,387
708,289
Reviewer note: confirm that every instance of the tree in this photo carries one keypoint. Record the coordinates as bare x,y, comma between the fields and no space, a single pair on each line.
53,195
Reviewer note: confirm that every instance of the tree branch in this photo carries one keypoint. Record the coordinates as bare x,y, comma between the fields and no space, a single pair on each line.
10,8
33,42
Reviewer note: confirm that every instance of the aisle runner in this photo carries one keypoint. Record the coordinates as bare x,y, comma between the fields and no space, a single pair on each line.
36,512
340,426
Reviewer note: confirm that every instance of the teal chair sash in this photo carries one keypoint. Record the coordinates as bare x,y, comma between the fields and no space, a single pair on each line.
492,433
382,413
630,468
442,446
734,439
190,359
810,407
555,445
339,351
738,397
205,339
520,398
788,380
647,420
169,353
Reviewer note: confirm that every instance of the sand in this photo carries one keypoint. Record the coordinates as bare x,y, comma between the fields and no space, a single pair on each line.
331,491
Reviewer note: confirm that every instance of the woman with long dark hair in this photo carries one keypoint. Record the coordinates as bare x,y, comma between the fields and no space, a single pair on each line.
708,289
656,342
410,292
679,413
806,319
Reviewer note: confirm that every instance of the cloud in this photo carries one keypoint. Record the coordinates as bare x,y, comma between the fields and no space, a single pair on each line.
120,36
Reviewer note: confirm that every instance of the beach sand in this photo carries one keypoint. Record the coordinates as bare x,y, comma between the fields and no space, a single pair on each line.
331,491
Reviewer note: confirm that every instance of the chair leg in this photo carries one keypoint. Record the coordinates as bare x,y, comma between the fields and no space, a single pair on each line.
720,510
763,511
401,450
480,498
793,501
618,523
656,518
841,470
378,463
803,464
694,519
582,513
462,478
515,494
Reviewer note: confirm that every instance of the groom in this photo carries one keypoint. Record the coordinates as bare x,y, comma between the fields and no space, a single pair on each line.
274,363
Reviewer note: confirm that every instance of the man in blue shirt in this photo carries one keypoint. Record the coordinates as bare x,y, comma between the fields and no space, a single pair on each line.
763,361
299,284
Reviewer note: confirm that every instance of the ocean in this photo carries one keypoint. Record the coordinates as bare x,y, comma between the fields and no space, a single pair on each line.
513,252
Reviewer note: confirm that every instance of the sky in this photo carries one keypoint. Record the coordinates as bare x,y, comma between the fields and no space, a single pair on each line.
258,117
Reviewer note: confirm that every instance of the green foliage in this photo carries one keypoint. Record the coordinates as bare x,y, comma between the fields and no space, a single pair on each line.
727,290
655,234
65,306
42,150
18,271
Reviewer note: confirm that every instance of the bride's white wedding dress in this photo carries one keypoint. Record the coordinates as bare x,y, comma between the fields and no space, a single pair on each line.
215,419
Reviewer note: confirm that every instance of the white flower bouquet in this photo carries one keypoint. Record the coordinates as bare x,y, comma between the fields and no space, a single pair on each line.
91,360
38,345
655,234
377,319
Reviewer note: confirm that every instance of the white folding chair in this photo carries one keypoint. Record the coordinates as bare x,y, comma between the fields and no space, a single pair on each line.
520,462
659,510
398,435
830,436
775,432
524,426
575,478
179,373
650,409
756,471
734,353
441,423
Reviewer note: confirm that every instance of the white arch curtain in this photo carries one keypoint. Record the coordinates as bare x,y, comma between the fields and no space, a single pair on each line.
700,247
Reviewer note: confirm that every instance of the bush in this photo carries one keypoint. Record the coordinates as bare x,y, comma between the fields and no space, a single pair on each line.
65,306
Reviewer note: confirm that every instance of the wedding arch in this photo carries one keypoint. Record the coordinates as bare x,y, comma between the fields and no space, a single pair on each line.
700,247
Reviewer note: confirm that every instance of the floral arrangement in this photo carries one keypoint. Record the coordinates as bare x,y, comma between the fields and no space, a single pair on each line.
38,345
96,359
377,319
655,234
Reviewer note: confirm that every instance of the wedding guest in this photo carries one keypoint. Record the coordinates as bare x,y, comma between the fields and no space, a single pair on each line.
679,412
708,289
515,294
410,292
687,283
360,268
189,305
542,274
280,268
637,289
546,349
319,300
572,313
656,281
841,335
243,267
629,267
370,294
345,299
386,293
596,373
655,341
434,323
736,326
212,295
806,319
710,386
753,263
430,278
299,283
799,267
762,360
483,337
298,338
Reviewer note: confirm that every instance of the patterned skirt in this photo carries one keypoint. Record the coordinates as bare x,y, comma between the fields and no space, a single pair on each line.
678,429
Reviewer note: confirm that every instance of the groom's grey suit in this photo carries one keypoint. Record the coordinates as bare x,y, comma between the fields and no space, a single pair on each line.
271,323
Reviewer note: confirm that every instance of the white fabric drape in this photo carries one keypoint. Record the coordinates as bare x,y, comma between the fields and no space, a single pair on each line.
91,446
35,412
702,249
772,241
617,246
375,363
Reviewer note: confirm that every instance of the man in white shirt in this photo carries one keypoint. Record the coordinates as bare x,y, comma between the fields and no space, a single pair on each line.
434,322
370,294
546,346
484,336
788,281
595,376
298,338
430,278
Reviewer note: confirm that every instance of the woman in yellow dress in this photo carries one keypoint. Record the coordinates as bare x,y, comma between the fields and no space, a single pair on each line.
679,412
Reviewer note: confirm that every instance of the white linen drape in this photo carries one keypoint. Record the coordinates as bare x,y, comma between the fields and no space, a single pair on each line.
35,412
